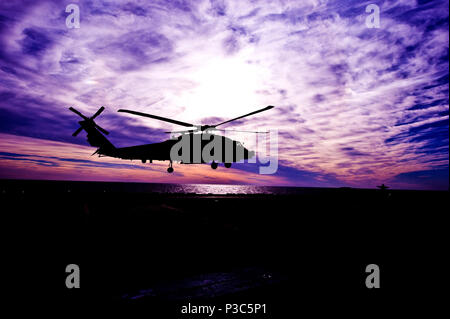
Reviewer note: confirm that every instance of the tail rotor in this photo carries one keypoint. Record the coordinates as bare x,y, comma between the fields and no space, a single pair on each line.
88,122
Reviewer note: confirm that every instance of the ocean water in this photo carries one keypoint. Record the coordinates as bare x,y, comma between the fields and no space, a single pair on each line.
217,189
27,186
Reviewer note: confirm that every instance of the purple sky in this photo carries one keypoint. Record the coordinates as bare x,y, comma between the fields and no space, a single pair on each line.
354,106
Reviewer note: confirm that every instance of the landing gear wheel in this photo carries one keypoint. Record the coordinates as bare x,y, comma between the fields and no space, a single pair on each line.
214,165
228,165
170,169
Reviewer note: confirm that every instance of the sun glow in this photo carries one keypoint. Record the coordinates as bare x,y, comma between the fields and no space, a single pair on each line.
225,88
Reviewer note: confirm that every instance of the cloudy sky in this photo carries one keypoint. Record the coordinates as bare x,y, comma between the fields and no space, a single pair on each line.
355,106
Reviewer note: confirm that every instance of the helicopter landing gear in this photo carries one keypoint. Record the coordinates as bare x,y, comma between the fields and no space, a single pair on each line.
170,169
214,165
228,165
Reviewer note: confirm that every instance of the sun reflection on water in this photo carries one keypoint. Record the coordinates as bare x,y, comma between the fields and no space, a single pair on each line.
220,189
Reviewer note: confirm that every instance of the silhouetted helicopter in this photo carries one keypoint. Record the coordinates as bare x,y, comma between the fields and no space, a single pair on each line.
162,151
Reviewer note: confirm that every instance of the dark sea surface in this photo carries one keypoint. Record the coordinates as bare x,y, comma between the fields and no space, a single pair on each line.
152,188
158,247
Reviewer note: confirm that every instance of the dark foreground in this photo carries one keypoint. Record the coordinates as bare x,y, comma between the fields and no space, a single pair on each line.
157,253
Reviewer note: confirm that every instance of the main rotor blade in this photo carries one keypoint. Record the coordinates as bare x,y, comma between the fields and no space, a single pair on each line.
179,132
158,118
102,129
240,117
78,113
100,110
266,132
77,131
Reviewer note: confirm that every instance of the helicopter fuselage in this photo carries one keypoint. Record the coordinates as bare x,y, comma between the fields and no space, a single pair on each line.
186,149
